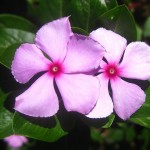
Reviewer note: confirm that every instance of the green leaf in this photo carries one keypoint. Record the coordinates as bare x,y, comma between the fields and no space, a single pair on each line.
79,31
44,11
11,36
84,13
24,127
9,39
7,56
5,118
110,121
147,28
143,121
16,22
121,21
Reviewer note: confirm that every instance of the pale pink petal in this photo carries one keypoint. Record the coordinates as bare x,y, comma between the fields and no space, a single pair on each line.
127,98
83,55
27,62
53,38
113,43
15,141
40,100
104,105
136,61
79,92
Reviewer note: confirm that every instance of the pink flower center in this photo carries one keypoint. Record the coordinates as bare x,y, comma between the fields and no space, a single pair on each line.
111,71
55,69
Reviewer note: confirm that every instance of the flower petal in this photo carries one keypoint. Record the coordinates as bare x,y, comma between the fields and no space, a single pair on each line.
104,105
83,55
27,62
15,141
40,100
127,97
136,61
79,92
113,43
53,37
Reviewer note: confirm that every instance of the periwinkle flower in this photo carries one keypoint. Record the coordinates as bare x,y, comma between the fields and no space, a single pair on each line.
15,141
121,61
70,58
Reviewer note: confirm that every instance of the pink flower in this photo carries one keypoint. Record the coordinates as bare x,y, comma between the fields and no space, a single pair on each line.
15,141
67,60
121,60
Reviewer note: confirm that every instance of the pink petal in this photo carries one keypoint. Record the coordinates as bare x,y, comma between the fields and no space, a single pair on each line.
136,61
27,62
113,43
53,37
15,141
79,92
83,54
40,100
104,105
127,98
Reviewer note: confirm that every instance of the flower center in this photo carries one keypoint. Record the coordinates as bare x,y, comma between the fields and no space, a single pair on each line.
55,69
111,70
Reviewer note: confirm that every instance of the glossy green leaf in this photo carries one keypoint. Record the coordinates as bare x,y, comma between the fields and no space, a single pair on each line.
16,22
121,21
147,28
11,36
5,118
84,13
7,56
43,11
8,40
24,127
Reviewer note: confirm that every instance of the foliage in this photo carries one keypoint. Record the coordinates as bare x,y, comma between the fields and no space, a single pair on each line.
85,16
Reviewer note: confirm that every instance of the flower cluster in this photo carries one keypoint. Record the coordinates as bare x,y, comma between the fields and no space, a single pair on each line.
70,61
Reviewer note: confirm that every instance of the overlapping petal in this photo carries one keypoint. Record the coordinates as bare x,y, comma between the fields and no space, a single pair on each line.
127,98
79,92
83,55
40,100
113,43
136,61
53,38
104,105
27,62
